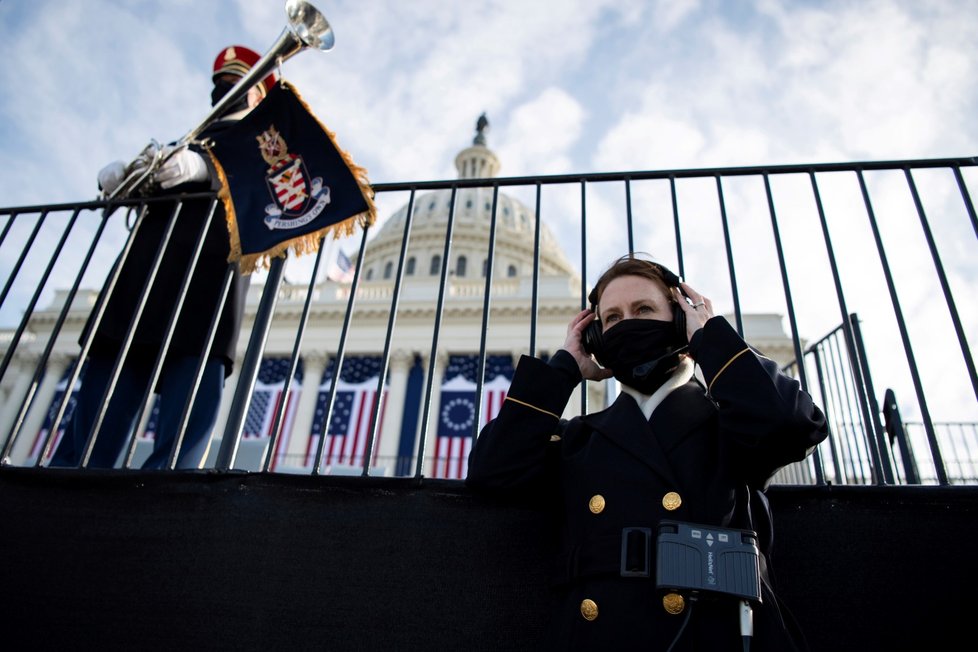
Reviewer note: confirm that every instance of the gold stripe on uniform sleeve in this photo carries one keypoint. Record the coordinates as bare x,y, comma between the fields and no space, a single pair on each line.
532,407
724,368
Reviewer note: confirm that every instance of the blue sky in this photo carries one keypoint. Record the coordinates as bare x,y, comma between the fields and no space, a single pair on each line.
568,86
572,86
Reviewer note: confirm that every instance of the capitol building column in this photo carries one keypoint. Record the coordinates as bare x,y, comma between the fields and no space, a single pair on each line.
438,375
390,429
313,365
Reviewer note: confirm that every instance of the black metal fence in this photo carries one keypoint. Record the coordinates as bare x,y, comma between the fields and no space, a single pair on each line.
816,244
869,443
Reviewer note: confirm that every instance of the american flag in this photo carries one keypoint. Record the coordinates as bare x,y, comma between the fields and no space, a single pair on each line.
266,399
349,427
341,270
456,414
59,393
153,422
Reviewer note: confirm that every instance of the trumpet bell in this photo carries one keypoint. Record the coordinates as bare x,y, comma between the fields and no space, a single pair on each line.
309,25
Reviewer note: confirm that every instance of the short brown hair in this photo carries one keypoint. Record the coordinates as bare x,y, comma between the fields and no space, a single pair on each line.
633,265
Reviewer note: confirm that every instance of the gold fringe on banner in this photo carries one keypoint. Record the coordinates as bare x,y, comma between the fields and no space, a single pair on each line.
310,242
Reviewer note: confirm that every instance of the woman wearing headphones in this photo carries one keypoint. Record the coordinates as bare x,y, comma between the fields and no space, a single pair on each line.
670,450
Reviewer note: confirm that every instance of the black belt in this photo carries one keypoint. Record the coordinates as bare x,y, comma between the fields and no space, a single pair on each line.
628,554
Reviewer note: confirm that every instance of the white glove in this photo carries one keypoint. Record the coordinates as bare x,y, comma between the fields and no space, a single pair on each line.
144,159
111,176
182,166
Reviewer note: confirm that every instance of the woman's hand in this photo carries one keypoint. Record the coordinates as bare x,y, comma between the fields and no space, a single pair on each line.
697,313
573,345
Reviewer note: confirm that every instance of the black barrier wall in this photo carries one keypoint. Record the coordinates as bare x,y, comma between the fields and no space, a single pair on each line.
206,561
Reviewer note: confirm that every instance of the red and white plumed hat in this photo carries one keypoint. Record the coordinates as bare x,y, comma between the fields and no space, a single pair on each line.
238,60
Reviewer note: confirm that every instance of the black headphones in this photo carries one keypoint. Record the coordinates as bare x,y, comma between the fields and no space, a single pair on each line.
592,339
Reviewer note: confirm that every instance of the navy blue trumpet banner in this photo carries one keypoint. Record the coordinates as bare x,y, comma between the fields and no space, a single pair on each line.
285,182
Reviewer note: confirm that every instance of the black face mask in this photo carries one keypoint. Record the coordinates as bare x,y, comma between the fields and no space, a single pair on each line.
221,88
641,353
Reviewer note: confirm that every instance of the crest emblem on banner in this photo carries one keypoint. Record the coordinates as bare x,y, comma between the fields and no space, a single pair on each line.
298,198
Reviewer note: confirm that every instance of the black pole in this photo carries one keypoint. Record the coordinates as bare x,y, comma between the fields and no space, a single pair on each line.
249,366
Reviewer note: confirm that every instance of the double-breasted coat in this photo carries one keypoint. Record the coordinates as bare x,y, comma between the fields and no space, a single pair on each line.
705,456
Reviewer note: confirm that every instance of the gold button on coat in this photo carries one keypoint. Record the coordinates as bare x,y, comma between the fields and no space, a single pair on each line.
589,609
596,504
672,501
673,603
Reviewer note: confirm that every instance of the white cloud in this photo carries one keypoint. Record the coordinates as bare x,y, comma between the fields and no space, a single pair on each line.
648,141
540,134
668,16
688,83
876,76
796,83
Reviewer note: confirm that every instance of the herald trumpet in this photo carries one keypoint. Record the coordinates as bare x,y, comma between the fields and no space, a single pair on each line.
306,28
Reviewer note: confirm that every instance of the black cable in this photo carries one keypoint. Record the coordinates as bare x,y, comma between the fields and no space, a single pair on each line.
746,623
682,627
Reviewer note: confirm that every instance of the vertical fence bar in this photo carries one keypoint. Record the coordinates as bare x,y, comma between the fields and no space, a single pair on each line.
681,263
584,292
728,246
275,433
95,317
861,392
480,379
341,349
433,358
966,198
535,297
820,459
848,438
201,364
14,431
385,357
812,353
249,366
6,228
130,334
862,443
904,335
942,276
168,336
628,215
954,445
29,310
802,375
26,249
878,446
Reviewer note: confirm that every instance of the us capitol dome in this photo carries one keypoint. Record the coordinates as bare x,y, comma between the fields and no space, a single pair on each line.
515,229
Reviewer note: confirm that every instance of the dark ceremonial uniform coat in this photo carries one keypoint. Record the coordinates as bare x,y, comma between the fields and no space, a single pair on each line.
703,457
203,296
